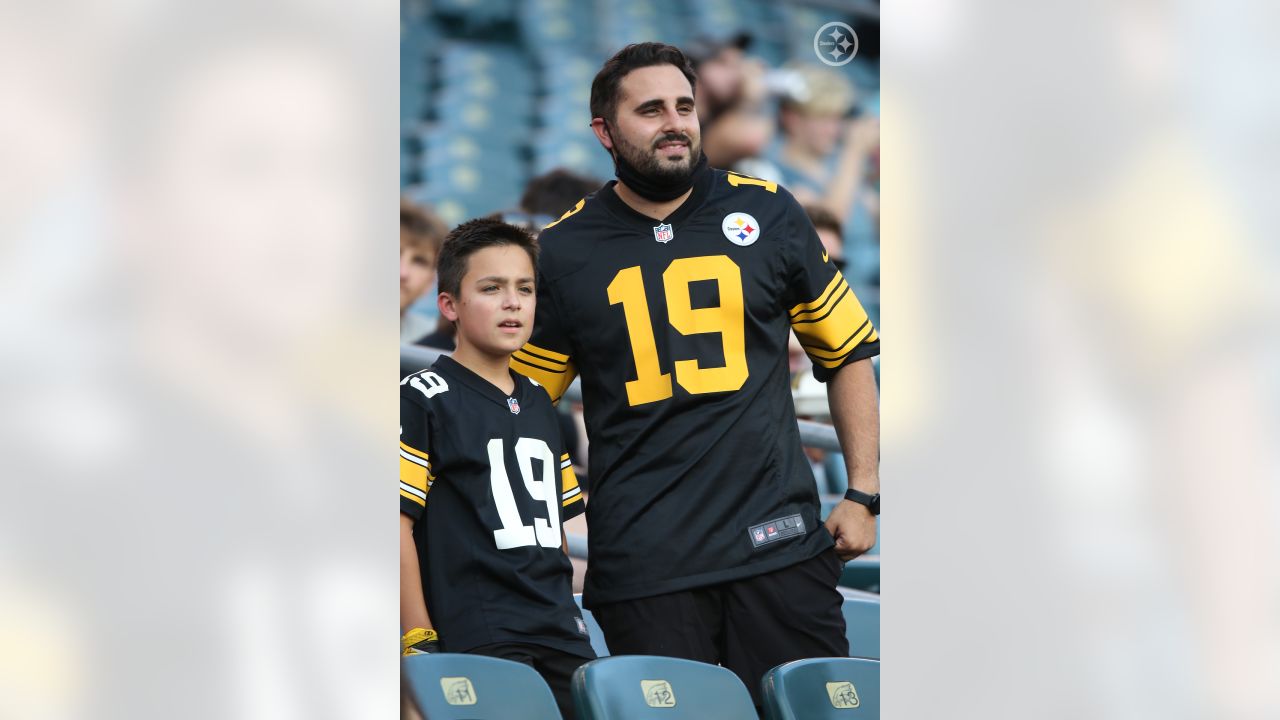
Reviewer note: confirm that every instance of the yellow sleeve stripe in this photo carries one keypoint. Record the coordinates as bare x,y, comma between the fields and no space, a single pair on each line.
413,451
852,341
414,475
554,382
540,365
817,305
568,481
544,354
835,361
415,498
575,209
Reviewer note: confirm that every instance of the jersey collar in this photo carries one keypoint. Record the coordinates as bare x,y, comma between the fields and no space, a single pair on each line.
701,188
457,370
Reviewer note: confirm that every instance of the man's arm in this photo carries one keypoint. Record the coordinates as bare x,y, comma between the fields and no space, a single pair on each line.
413,604
855,412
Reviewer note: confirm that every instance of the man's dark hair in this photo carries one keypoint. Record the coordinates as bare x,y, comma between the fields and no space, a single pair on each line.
470,237
604,89
556,192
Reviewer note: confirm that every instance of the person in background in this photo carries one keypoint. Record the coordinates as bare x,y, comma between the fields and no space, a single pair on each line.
421,233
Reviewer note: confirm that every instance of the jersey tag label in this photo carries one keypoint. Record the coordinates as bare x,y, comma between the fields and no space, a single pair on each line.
664,233
740,228
458,690
514,405
582,626
783,527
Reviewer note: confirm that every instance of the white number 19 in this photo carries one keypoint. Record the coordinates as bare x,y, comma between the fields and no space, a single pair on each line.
514,533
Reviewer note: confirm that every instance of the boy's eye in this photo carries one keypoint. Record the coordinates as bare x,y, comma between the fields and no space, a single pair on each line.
527,290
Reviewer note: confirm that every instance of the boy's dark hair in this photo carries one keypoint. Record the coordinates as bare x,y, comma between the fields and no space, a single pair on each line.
604,89
470,237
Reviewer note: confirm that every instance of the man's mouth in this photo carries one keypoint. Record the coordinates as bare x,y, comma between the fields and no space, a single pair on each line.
672,144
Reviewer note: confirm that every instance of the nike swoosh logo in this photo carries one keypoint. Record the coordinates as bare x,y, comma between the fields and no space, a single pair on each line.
824,256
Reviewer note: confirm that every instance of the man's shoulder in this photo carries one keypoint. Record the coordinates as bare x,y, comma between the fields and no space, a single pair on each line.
727,185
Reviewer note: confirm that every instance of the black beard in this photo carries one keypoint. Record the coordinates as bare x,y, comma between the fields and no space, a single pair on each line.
649,178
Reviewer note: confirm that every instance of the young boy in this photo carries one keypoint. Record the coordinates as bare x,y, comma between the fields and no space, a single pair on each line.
485,482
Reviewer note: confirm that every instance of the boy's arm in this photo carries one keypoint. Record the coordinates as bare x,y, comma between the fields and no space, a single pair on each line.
413,604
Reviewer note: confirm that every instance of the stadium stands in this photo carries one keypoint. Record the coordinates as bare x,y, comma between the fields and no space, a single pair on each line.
823,689
640,687
450,686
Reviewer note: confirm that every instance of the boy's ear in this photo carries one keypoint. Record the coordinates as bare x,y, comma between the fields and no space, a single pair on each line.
447,306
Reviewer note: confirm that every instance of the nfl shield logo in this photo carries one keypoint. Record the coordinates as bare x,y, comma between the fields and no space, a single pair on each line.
515,406
663,233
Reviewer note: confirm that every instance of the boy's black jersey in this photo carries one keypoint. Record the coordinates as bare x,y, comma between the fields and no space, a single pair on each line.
488,483
679,330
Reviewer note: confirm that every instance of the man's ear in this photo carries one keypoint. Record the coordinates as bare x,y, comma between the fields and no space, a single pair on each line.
446,303
601,129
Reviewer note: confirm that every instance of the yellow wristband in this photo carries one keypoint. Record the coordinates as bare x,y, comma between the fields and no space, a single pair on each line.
415,636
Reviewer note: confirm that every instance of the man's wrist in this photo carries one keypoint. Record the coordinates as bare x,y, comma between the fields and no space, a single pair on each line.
869,500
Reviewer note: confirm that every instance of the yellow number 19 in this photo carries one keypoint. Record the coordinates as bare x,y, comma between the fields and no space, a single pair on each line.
651,384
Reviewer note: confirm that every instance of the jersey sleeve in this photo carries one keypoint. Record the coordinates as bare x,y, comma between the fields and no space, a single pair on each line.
572,501
546,357
415,461
826,316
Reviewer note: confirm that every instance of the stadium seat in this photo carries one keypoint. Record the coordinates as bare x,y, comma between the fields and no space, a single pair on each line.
450,686
862,573
643,687
823,689
593,629
862,623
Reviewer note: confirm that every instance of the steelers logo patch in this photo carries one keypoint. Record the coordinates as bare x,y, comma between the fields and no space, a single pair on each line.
740,228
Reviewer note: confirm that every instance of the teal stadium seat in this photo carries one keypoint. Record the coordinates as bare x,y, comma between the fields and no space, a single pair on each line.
823,689
449,686
643,687
862,623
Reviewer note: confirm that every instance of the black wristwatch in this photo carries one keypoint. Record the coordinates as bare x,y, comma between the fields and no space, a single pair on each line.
871,501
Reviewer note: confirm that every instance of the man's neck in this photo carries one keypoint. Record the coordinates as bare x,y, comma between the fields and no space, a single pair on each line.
494,369
655,210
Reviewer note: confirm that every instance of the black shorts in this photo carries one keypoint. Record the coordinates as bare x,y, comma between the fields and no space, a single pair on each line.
555,666
749,626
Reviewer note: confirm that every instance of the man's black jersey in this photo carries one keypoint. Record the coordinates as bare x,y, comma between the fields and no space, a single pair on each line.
679,330
488,483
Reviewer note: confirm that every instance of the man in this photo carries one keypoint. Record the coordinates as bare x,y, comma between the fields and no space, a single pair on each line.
672,291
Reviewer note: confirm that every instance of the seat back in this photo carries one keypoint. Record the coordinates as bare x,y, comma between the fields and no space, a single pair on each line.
823,689
643,687
449,686
862,623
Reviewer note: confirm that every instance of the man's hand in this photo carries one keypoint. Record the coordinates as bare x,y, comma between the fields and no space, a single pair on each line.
419,641
853,527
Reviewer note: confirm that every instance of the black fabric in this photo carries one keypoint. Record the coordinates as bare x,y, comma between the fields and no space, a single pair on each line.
554,666
679,481
478,591
749,626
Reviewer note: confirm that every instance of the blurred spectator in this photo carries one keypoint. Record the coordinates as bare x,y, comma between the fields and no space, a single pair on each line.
553,194
823,157
830,232
730,96
420,235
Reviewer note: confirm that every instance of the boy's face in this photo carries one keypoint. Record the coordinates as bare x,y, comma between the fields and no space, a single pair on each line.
495,302
417,272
